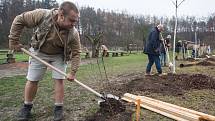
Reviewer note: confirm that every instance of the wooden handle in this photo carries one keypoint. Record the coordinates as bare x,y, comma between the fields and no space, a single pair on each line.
166,49
61,72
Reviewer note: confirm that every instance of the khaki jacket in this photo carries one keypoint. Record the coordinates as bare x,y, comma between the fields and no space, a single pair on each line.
46,35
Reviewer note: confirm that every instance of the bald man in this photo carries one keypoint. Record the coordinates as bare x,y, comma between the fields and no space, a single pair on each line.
152,49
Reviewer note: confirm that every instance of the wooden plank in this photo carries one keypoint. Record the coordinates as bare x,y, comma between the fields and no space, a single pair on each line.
203,115
157,111
4,51
200,114
170,110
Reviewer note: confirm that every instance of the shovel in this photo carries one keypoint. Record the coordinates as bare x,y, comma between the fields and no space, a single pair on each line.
168,58
104,98
167,53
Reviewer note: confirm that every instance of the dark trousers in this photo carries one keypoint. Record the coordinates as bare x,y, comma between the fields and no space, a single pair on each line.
153,59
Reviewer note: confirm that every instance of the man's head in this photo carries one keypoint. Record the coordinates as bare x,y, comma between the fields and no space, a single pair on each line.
160,27
168,37
68,15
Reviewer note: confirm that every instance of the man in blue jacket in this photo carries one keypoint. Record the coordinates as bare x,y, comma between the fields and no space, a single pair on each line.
152,49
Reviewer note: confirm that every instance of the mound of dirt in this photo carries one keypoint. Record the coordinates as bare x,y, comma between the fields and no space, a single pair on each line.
205,63
112,110
210,59
170,84
112,106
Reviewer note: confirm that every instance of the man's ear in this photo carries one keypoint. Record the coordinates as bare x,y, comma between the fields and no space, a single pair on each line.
60,14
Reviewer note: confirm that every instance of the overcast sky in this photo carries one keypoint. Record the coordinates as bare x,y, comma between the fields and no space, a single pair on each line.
196,8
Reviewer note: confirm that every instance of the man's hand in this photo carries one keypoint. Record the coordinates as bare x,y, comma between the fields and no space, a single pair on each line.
157,50
70,77
15,45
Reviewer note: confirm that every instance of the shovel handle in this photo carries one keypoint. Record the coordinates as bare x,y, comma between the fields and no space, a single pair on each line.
59,71
165,48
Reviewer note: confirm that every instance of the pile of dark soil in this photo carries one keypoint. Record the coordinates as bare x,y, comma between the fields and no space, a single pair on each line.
170,84
205,63
210,59
112,110
112,106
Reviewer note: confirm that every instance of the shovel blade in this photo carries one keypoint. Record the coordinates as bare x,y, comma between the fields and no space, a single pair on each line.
107,96
170,66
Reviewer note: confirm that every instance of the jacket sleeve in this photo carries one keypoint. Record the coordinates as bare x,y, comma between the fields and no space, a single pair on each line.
76,50
154,40
28,19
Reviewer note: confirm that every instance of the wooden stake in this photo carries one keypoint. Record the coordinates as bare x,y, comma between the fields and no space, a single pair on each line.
138,109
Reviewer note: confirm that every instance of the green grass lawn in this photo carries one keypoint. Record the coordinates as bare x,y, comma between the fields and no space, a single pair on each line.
79,102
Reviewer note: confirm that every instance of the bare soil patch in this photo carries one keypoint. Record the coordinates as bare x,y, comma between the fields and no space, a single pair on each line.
116,114
20,68
17,65
210,59
13,69
171,84
206,63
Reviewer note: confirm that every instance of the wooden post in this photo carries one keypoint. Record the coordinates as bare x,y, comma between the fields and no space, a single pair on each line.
87,55
122,53
117,54
10,58
107,54
138,109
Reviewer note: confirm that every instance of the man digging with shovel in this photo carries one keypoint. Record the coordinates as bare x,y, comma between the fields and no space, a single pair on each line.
56,41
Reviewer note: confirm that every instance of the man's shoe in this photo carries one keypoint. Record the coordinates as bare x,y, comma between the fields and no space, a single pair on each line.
25,113
148,74
58,113
162,74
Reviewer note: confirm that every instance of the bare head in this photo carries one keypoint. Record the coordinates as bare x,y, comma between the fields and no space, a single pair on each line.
168,36
160,27
68,15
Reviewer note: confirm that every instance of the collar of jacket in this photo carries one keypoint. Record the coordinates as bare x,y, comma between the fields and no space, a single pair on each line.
156,28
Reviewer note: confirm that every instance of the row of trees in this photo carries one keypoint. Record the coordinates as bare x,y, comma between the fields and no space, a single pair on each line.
119,29
9,9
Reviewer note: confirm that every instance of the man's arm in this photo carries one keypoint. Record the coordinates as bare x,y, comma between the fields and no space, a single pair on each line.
76,50
27,19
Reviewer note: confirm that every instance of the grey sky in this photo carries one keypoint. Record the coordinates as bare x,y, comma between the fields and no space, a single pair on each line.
196,8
